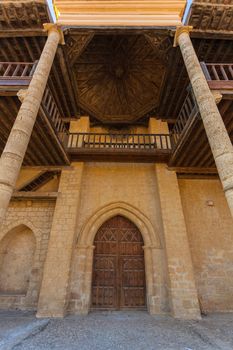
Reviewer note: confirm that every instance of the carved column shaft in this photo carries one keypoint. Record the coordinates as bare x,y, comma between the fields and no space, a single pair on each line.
217,134
16,146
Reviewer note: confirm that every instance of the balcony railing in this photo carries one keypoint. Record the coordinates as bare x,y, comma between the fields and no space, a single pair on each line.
95,141
16,73
52,112
189,111
119,147
218,75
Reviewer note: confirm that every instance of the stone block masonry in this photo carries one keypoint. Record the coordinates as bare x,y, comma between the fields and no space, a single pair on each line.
182,289
53,294
36,217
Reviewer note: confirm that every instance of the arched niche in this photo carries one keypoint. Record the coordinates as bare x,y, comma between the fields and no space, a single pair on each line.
17,249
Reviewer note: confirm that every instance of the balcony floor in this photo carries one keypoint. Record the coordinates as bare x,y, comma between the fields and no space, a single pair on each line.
193,149
44,147
119,155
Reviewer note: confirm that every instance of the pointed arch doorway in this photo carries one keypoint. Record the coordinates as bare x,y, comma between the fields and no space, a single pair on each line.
118,279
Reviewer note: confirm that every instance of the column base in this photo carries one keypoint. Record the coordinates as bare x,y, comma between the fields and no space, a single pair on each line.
195,316
50,314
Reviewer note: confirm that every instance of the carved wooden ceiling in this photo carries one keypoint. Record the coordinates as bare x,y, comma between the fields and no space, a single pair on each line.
116,76
23,14
119,77
211,15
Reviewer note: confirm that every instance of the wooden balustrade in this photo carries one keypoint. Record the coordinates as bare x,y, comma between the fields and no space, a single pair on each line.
188,112
52,112
16,73
218,75
93,141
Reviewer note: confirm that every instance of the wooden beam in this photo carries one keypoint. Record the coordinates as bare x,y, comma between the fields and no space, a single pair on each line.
66,75
46,167
204,153
62,151
221,85
22,33
21,195
119,155
198,176
7,121
226,95
211,34
33,146
193,170
182,142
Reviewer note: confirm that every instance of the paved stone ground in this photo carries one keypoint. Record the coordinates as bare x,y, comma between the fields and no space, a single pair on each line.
121,330
13,319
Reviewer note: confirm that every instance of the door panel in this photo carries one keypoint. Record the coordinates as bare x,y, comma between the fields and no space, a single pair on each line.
104,281
118,268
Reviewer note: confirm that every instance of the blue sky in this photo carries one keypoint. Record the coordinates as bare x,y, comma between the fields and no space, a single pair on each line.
54,18
51,9
187,9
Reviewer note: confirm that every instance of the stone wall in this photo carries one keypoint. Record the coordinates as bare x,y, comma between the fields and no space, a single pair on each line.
23,247
210,234
55,284
108,189
123,189
16,258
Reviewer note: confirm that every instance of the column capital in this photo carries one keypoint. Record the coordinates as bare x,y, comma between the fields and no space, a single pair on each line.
217,96
21,94
180,30
52,27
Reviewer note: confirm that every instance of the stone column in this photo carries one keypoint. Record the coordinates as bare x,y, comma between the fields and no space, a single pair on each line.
54,291
217,134
16,146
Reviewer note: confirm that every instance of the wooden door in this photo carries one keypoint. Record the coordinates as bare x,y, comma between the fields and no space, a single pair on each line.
118,268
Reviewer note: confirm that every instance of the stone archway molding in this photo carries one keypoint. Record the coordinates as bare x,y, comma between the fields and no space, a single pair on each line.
21,222
149,233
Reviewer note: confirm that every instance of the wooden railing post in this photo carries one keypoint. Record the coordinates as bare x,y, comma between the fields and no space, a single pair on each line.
188,112
50,107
